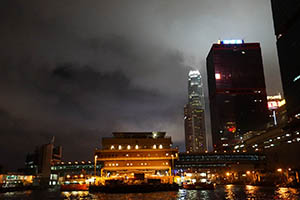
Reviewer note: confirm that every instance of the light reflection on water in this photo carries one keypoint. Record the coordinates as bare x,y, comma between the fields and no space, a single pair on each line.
221,192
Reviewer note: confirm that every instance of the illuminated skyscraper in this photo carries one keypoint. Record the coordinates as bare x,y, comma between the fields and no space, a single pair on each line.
194,122
237,91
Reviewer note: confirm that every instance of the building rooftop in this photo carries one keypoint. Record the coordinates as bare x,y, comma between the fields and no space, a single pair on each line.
139,134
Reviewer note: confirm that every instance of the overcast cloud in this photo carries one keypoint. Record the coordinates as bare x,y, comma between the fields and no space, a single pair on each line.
79,70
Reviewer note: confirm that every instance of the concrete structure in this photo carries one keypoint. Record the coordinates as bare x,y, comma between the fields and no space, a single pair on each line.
237,91
279,144
208,161
221,168
194,119
39,163
130,154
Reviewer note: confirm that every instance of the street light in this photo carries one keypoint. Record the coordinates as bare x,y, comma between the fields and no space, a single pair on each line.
279,170
95,162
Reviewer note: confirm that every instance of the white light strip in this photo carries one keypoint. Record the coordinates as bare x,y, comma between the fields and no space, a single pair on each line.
297,78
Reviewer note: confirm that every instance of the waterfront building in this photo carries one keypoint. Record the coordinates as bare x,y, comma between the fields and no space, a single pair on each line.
137,154
286,16
194,119
39,162
197,162
219,167
15,179
237,91
279,144
63,168
77,171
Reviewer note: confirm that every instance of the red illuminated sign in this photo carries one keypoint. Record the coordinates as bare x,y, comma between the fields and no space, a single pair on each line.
273,105
232,129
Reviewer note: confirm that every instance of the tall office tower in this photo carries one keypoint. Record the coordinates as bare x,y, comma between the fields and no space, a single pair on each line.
237,91
286,16
194,122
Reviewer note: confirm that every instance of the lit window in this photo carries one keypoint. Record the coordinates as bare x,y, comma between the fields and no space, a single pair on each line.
167,154
127,155
154,146
136,146
142,163
130,164
160,146
109,164
117,164
127,164
167,163
218,76
112,147
120,147
128,147
145,163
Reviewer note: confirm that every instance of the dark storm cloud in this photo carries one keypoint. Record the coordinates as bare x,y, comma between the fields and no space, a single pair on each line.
82,69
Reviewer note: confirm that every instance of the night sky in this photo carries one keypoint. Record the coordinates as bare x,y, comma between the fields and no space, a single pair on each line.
79,70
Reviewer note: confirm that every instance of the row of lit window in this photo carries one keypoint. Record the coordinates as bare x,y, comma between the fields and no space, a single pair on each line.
74,167
135,147
131,164
76,162
272,140
133,155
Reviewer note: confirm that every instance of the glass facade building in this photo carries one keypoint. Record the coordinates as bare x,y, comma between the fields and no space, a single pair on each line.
237,92
194,122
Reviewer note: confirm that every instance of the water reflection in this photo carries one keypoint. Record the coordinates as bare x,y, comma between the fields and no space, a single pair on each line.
229,190
221,192
287,193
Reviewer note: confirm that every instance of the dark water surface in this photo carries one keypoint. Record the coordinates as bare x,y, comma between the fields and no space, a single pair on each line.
221,192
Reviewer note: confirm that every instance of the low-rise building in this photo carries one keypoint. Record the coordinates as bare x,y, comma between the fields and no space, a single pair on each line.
137,154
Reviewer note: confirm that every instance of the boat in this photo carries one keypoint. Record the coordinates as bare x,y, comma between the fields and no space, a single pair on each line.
199,186
74,183
74,187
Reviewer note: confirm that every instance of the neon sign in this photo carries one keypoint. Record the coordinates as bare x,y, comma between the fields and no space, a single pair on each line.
231,41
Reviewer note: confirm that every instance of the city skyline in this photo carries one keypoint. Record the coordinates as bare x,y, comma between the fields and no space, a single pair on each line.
80,72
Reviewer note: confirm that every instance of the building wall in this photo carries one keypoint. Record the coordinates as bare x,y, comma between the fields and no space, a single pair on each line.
136,153
286,16
238,102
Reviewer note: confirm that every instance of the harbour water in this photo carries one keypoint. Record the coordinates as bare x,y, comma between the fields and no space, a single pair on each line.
221,192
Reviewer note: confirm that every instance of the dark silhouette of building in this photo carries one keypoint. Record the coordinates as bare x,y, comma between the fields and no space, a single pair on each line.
39,162
286,16
237,91
194,121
